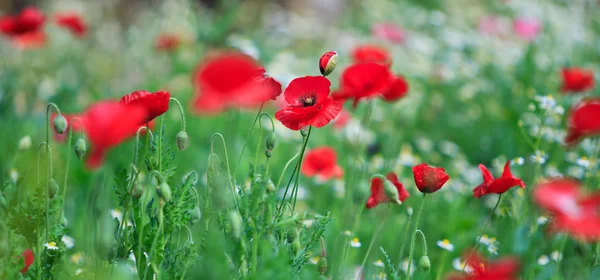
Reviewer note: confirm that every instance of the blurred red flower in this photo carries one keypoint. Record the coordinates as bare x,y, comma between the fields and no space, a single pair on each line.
321,162
342,119
481,269
497,185
527,28
167,42
574,212
231,80
371,53
155,104
28,259
378,194
389,31
396,90
429,179
583,120
309,103
364,80
25,29
576,80
73,22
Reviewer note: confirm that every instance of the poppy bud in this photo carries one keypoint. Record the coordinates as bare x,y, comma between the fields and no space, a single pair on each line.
391,192
271,141
138,191
270,186
164,191
268,153
195,215
60,124
327,62
182,140
322,265
424,263
80,148
304,131
296,246
235,221
52,188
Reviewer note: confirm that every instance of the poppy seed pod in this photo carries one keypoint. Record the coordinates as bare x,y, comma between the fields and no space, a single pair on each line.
164,191
271,141
391,192
52,188
327,62
195,215
80,148
60,124
138,191
322,265
235,221
424,263
304,131
268,153
182,140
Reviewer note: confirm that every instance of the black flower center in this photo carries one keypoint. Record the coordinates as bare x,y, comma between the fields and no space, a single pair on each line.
309,99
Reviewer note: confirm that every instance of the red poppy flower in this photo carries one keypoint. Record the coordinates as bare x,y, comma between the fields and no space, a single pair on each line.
429,179
28,259
309,103
583,121
321,162
327,62
574,212
230,80
167,42
498,185
481,269
72,22
363,80
155,104
378,194
272,85
371,53
342,119
397,89
29,20
389,31
576,80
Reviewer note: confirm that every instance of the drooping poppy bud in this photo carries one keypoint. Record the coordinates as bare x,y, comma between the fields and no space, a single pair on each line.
327,62
182,140
424,263
195,215
391,192
60,124
322,265
235,221
52,188
80,148
271,141
164,191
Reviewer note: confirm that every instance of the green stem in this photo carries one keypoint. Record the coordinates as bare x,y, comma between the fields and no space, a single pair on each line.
299,167
257,147
285,168
62,209
441,266
406,229
487,221
160,136
237,165
233,192
159,233
381,224
181,112
414,236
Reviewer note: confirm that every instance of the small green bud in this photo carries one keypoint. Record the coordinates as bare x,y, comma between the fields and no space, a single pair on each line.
138,191
268,153
52,188
271,141
424,263
60,124
304,131
235,221
322,265
182,140
80,148
391,192
164,191
195,215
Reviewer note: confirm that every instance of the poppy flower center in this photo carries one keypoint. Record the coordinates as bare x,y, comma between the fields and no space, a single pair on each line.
308,100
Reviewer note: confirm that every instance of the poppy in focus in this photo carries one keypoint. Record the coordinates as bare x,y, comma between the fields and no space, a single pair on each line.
576,80
583,120
497,185
155,104
429,179
364,80
28,259
379,193
231,80
321,162
73,22
308,103
481,269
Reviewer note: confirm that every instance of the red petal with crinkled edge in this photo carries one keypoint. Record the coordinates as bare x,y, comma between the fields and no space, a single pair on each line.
397,89
319,115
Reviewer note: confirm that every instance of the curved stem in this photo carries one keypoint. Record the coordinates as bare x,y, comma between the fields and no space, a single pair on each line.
487,221
424,242
414,236
299,167
285,168
62,209
237,165
212,139
197,196
270,118
181,112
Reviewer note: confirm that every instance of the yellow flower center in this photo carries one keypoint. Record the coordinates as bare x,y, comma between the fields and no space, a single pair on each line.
52,244
446,242
355,240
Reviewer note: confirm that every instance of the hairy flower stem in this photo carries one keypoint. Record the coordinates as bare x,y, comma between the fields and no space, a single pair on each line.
347,240
159,232
375,235
295,189
487,221
414,236
64,196
237,165
231,184
181,112
48,162
405,236
255,166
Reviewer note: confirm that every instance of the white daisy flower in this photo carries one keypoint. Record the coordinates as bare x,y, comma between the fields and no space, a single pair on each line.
347,233
381,276
556,256
484,239
543,260
78,272
519,161
116,214
314,260
355,243
25,143
583,161
458,264
559,110
493,249
404,267
51,246
446,245
542,220
546,102
539,157
378,263
69,241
